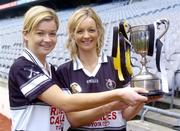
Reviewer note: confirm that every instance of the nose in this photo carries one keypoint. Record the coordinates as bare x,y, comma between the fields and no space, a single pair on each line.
86,34
47,38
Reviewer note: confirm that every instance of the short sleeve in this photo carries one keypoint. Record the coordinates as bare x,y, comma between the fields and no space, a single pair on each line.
29,79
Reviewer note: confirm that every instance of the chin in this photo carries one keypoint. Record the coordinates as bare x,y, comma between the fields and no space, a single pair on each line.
46,52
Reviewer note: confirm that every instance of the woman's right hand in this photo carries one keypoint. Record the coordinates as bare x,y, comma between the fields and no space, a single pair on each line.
130,95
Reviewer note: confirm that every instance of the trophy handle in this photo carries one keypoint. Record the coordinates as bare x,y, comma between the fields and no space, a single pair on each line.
165,22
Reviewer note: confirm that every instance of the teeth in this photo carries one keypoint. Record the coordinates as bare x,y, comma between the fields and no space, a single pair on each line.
46,46
87,42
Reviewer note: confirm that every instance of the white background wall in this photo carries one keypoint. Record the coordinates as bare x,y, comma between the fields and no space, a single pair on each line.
4,99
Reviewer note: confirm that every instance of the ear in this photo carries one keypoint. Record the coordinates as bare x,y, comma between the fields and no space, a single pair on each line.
25,35
72,35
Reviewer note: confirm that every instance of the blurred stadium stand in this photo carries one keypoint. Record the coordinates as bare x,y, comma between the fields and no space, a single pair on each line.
7,9
135,12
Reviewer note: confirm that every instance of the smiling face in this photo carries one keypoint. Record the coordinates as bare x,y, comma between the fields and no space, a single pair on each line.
86,35
42,40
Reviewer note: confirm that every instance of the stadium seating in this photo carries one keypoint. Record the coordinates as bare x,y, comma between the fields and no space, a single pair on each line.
137,13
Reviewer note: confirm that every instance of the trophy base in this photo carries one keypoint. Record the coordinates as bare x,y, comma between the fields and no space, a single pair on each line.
153,93
149,82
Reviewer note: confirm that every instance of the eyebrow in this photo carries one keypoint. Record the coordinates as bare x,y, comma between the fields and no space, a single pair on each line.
43,30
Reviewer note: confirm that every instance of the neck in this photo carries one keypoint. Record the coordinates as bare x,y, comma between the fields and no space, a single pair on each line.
45,65
41,58
43,61
89,60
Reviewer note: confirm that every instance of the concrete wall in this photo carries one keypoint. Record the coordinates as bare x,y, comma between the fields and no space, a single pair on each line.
138,125
4,98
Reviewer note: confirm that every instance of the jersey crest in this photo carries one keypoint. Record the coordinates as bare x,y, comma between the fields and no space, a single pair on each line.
110,84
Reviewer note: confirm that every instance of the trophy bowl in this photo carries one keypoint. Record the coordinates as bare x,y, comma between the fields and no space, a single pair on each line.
139,37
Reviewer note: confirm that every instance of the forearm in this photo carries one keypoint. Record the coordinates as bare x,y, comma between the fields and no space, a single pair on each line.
83,101
130,112
76,102
86,117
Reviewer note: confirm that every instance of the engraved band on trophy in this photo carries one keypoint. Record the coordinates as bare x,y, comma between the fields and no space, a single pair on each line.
139,38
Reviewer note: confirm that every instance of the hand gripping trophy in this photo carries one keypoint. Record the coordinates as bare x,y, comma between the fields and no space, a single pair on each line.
140,40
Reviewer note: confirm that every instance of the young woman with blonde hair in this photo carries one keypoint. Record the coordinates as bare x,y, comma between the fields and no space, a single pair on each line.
32,80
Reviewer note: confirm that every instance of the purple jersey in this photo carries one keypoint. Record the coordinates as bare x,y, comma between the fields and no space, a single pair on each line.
27,80
103,78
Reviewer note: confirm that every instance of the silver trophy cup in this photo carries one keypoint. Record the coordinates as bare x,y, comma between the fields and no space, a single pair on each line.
139,37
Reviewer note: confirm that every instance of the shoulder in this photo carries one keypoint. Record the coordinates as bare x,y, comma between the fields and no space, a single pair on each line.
20,62
110,60
65,66
22,65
